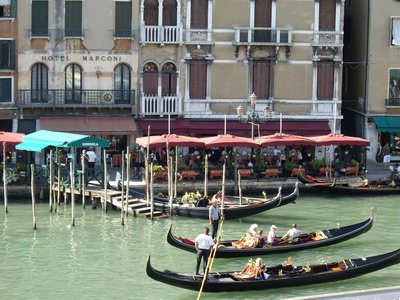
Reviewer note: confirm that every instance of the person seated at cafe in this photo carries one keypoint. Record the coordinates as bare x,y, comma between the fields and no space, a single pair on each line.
161,157
250,166
193,165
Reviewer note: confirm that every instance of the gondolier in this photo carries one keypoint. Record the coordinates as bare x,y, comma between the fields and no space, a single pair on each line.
214,216
203,244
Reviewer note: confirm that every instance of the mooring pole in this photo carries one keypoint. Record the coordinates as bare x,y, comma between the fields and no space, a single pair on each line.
151,191
104,202
122,187
33,195
128,178
59,181
176,172
206,175
72,189
147,167
83,181
51,181
5,177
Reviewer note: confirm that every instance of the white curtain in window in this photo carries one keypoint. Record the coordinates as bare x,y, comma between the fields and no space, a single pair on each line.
5,2
396,32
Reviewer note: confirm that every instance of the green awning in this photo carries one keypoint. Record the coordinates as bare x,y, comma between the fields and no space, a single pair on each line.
387,124
28,146
41,139
89,142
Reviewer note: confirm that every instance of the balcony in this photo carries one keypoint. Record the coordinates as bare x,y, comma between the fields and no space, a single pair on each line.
76,98
121,34
154,105
39,33
328,38
74,33
263,36
392,103
161,35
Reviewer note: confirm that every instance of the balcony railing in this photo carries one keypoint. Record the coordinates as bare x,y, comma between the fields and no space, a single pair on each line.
328,38
39,33
257,36
68,98
392,102
119,33
74,33
154,105
161,34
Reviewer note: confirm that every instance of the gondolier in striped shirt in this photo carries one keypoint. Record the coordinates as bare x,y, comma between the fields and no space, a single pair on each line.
203,243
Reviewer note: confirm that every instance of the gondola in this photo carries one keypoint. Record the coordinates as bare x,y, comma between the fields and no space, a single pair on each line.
371,188
230,211
279,276
307,240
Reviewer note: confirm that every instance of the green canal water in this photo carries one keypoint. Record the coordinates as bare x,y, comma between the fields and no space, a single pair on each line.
100,259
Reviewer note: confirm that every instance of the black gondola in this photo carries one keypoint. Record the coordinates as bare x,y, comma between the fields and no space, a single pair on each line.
279,276
230,211
308,240
338,188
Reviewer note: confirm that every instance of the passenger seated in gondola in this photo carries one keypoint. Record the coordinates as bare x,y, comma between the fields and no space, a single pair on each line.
253,270
202,202
271,237
292,236
249,240
261,238
395,171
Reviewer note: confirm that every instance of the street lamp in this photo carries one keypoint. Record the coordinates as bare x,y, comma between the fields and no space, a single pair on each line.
252,116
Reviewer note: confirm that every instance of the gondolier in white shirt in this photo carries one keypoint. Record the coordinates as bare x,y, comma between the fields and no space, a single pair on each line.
214,216
203,244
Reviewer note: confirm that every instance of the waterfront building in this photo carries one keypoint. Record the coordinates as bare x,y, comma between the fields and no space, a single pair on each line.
78,67
371,97
200,59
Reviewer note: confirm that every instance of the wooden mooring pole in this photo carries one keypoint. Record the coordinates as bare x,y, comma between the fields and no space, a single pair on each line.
72,189
5,178
205,175
83,180
51,175
104,202
33,195
122,187
128,179
151,191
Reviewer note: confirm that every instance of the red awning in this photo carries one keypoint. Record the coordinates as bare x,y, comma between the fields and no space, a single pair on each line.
340,140
11,139
90,125
213,127
173,139
228,140
283,139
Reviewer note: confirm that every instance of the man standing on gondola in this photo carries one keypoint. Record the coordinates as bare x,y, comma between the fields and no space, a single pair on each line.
203,244
214,216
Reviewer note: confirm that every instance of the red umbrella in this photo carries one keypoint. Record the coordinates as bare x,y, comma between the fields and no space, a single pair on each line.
160,141
283,139
228,140
339,139
11,139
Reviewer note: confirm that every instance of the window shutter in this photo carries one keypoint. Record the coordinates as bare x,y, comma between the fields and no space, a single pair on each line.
123,16
325,80
169,13
327,14
5,90
198,79
199,14
12,55
40,17
13,13
261,79
169,81
150,83
262,12
151,12
73,16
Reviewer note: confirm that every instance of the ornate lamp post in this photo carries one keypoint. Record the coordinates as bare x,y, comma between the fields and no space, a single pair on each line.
252,116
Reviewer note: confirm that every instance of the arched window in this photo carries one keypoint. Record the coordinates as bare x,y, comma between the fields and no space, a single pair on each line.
168,79
39,82
169,12
122,84
151,12
73,84
150,79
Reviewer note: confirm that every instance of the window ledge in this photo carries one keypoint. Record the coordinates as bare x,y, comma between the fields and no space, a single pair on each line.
40,37
7,19
73,38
